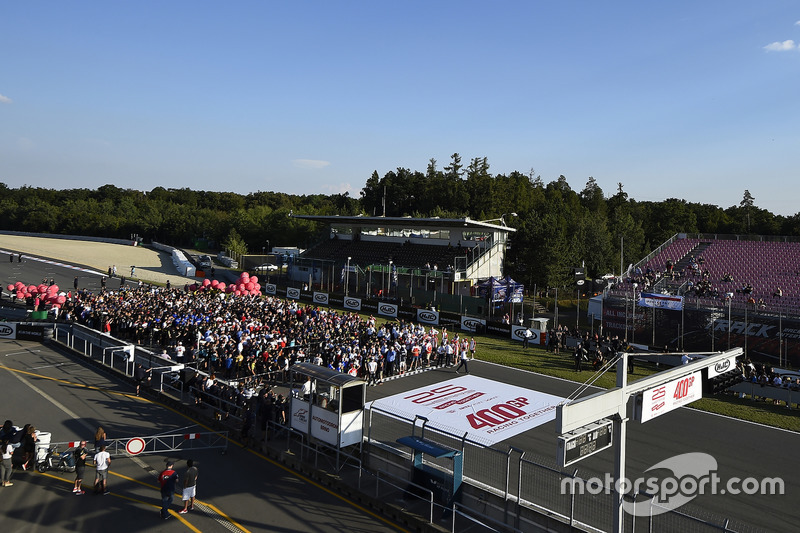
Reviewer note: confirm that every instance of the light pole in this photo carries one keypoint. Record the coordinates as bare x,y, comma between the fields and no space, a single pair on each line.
729,321
347,277
744,331
633,312
555,317
389,279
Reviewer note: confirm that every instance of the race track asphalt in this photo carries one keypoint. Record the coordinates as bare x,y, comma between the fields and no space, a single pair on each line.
240,490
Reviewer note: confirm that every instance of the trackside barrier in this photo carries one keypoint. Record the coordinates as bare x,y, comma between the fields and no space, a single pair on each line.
466,519
309,447
536,482
406,490
789,395
160,444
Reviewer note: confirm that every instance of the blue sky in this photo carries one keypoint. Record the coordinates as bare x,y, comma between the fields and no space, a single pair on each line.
687,99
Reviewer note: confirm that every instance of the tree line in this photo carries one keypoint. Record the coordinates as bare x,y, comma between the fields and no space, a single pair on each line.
558,228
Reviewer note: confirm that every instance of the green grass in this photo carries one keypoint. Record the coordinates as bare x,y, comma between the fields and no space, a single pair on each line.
510,353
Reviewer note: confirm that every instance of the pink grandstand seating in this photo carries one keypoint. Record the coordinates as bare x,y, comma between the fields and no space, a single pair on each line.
766,265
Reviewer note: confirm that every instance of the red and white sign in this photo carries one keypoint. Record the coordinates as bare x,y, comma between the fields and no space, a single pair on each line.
135,446
670,395
488,411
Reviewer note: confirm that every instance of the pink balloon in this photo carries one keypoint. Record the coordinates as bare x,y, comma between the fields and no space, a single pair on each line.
214,283
255,292
221,285
32,289
42,288
61,299
254,279
10,287
20,295
248,286
56,306
237,293
19,285
52,288
28,294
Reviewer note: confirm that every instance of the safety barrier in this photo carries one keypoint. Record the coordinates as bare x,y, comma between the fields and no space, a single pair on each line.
532,483
159,444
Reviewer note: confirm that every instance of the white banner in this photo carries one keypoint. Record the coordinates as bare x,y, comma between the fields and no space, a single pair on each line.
293,293
488,411
321,298
352,303
471,324
722,366
662,301
324,425
8,330
671,395
270,288
518,334
426,316
386,309
300,415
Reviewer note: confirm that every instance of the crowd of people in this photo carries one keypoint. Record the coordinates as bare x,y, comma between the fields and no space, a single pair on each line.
699,281
243,344
241,337
20,447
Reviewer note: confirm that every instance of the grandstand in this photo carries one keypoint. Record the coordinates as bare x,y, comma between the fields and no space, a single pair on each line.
730,288
454,252
727,264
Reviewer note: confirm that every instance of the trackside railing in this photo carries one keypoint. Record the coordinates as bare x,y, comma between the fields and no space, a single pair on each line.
159,444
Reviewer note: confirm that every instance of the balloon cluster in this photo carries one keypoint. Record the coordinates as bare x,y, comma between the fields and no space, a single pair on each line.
43,294
246,285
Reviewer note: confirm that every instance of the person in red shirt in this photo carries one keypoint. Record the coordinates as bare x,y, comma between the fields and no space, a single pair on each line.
168,479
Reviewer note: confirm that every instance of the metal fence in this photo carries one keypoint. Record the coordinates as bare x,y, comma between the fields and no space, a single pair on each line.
534,483
159,444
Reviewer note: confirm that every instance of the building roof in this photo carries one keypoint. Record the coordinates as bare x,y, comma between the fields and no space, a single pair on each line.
433,222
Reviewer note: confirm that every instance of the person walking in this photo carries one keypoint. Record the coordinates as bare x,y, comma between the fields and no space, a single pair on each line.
102,460
5,467
79,454
168,478
142,375
29,438
579,354
189,487
464,359
99,438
